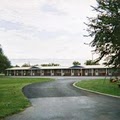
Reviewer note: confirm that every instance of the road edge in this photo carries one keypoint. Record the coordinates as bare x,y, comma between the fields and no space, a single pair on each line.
74,84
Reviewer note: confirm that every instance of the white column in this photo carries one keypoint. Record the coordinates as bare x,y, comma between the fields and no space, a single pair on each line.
106,72
31,72
92,72
81,72
17,72
78,72
96,72
24,72
42,72
52,72
72,72
86,72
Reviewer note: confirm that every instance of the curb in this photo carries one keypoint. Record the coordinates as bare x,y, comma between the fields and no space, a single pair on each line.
74,84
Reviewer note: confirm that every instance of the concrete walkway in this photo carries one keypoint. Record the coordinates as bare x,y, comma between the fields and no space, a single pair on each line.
59,100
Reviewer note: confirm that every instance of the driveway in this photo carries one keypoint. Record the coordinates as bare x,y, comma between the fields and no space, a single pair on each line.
59,100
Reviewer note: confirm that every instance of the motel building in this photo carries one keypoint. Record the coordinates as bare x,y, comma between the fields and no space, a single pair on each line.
88,70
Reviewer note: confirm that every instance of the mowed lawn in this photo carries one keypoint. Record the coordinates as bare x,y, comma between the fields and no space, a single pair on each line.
100,85
12,100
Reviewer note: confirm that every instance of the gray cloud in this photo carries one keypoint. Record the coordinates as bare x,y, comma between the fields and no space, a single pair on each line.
52,9
9,25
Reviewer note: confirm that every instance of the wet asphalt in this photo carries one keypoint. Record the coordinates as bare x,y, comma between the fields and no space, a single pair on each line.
59,100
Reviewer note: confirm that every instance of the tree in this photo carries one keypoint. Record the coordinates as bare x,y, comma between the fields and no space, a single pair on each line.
50,64
26,65
4,62
76,63
91,62
105,28
17,66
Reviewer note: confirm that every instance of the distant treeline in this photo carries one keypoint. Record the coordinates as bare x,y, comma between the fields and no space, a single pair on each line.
28,65
50,64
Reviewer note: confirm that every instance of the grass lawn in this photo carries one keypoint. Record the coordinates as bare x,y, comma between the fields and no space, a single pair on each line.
100,85
12,99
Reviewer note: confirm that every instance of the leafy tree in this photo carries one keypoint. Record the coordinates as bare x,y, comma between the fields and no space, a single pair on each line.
75,63
91,62
16,66
4,62
105,28
26,65
35,65
50,64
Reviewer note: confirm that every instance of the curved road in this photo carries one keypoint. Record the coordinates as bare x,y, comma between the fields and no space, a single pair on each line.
59,100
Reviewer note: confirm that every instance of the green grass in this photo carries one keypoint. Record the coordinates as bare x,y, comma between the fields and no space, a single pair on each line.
12,99
100,85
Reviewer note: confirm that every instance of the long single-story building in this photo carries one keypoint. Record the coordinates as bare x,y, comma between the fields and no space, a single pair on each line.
88,70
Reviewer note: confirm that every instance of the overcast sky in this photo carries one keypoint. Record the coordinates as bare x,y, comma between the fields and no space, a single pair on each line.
45,29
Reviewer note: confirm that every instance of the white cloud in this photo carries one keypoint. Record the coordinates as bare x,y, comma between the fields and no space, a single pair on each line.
45,28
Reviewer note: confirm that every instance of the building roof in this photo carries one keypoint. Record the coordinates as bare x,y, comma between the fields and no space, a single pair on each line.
95,66
53,67
59,67
19,68
76,67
